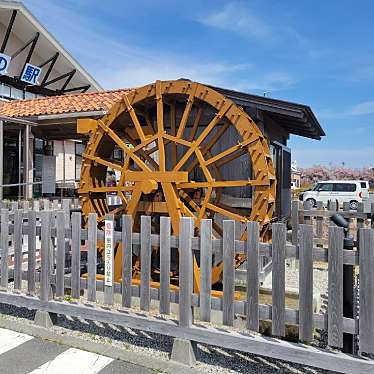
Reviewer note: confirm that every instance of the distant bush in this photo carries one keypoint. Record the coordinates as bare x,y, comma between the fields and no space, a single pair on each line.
317,173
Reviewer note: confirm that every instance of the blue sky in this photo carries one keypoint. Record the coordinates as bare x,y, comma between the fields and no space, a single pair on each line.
318,53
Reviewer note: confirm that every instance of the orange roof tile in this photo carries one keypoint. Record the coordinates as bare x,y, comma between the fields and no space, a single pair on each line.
81,102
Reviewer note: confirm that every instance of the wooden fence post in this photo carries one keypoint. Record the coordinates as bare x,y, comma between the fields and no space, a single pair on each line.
295,220
205,269
165,265
278,279
366,325
92,257
228,272
306,283
319,222
185,272
60,255
17,241
348,291
335,287
4,248
145,262
307,206
76,222
31,258
184,350
252,275
45,251
126,260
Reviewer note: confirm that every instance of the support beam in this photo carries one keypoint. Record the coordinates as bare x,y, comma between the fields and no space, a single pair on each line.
66,75
15,54
71,75
51,60
8,31
31,51
83,89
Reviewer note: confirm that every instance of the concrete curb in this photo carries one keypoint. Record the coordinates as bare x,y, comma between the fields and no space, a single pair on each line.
136,358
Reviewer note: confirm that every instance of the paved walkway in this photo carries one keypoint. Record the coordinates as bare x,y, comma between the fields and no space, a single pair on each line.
24,354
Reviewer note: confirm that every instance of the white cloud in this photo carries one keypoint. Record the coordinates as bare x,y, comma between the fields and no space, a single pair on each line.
235,17
136,71
361,109
120,63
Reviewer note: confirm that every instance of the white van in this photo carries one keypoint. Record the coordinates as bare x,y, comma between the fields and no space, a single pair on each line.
351,191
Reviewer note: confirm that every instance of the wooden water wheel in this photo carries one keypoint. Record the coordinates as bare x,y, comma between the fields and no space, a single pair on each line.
179,140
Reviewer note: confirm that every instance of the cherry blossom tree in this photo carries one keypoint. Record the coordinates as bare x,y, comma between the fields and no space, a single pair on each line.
318,173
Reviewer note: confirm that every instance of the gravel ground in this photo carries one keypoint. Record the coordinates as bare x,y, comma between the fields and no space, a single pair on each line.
320,277
211,359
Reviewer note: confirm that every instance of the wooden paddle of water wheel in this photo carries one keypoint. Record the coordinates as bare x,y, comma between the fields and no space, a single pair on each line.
173,135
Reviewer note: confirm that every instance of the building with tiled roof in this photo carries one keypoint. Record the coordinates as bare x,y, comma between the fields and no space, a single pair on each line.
26,44
73,103
35,66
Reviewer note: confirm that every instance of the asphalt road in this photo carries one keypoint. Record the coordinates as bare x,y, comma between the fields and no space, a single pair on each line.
24,354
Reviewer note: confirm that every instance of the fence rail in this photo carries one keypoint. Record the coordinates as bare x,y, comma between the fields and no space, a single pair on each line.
89,295
319,217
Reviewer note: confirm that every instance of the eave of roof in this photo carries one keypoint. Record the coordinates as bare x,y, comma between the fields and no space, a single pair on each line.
300,118
19,6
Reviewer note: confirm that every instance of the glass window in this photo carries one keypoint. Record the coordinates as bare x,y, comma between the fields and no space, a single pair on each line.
325,187
344,187
16,93
364,185
4,90
118,154
79,150
29,95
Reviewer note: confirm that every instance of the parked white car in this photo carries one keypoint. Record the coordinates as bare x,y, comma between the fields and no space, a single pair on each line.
351,191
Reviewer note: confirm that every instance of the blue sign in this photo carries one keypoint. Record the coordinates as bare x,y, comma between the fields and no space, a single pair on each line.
4,63
30,74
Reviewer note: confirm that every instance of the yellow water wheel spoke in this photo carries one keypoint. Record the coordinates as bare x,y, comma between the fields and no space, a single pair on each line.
207,147
103,162
115,212
141,151
173,129
226,106
221,184
229,151
196,123
123,145
106,189
134,118
187,111
226,213
228,159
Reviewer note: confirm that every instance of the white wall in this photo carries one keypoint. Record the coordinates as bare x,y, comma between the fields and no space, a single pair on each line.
69,160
